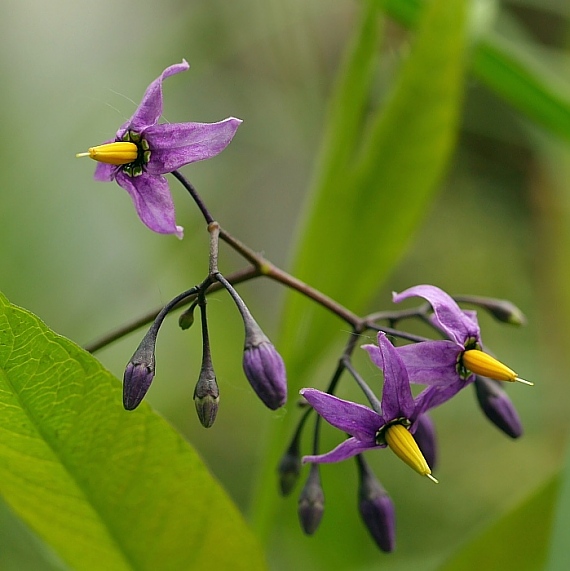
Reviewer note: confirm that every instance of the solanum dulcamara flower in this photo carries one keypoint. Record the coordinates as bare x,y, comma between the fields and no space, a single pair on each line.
392,426
144,150
455,361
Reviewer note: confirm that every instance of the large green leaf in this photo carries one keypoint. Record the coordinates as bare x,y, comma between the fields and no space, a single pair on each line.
518,540
106,488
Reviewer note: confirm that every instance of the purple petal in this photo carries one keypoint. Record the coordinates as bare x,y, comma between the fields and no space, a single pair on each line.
397,397
150,108
177,144
356,419
436,395
105,172
448,315
347,449
430,362
152,200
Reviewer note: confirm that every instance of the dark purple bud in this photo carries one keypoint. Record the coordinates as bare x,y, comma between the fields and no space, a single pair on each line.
264,367
289,468
139,372
497,406
426,439
311,502
207,397
376,509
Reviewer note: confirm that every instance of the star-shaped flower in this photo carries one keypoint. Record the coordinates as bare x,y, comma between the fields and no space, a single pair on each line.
143,150
392,426
455,361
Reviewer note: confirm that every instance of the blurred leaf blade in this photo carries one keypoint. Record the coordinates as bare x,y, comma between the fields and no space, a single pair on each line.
518,540
367,213
523,83
105,488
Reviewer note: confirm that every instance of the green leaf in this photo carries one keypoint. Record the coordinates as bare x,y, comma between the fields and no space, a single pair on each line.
524,83
518,540
105,488
364,214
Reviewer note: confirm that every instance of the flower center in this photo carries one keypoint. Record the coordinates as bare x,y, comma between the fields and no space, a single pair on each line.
470,344
136,167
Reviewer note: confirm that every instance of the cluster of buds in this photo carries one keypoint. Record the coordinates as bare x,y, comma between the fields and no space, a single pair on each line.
262,364
398,420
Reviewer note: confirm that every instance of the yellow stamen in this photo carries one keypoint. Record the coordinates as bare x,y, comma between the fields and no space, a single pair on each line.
402,443
483,364
118,153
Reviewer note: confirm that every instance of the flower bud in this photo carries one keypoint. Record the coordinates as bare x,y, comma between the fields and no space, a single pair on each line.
498,407
501,309
425,438
264,367
289,468
186,320
311,502
207,397
139,372
376,509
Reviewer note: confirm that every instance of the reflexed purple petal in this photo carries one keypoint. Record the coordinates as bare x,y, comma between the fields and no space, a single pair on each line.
178,144
105,172
397,397
436,395
424,435
152,200
347,449
430,362
150,108
356,419
449,316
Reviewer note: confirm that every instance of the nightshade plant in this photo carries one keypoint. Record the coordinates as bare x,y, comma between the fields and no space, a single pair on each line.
142,152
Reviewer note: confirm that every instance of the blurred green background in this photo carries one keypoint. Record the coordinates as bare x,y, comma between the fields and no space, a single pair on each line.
74,252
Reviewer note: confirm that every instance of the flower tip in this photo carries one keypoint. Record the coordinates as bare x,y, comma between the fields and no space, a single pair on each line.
179,232
434,480
79,155
523,381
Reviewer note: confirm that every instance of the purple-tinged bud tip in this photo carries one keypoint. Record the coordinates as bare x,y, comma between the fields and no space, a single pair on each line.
497,406
501,309
265,371
207,397
311,504
136,382
426,439
377,510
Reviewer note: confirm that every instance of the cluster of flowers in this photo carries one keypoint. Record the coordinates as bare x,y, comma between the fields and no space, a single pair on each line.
399,420
138,157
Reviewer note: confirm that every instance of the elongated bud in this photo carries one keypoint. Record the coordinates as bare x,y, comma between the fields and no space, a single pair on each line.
118,153
402,443
376,509
207,396
311,502
498,407
426,440
139,372
289,468
483,364
501,309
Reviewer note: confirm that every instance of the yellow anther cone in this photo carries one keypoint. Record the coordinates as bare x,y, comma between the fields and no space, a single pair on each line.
118,153
483,364
402,443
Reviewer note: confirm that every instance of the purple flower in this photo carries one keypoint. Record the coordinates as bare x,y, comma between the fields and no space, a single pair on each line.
456,361
392,426
143,150
440,362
